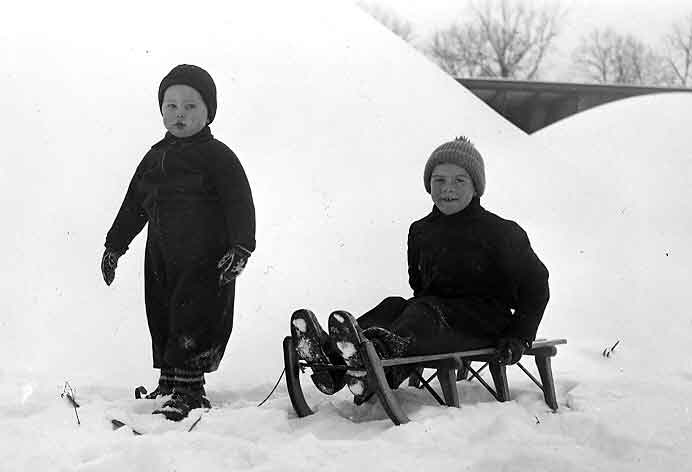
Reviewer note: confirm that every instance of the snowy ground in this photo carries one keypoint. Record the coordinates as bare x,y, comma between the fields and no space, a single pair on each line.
333,118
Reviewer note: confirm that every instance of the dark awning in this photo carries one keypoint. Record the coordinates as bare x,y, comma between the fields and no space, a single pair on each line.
534,105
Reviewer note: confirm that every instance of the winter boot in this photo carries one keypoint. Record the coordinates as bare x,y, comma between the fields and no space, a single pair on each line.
389,345
314,346
164,388
347,335
187,393
161,390
181,402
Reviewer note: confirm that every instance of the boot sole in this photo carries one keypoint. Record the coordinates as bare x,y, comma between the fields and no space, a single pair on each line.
344,329
307,336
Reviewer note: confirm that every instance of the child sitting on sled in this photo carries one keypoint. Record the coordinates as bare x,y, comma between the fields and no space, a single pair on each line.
193,192
476,283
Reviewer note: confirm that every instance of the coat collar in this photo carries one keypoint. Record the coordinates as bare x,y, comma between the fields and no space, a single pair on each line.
474,208
203,136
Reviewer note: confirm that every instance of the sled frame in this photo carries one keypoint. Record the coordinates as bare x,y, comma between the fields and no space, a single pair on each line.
449,368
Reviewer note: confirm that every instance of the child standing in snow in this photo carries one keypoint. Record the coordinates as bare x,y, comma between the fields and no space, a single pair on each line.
193,192
475,278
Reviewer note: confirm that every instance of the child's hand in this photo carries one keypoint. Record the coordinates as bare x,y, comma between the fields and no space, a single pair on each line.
109,262
232,264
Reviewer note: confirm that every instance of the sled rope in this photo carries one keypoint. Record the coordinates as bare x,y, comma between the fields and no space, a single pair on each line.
273,389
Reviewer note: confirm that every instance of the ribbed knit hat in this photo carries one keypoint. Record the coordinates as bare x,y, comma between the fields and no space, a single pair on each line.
195,77
462,153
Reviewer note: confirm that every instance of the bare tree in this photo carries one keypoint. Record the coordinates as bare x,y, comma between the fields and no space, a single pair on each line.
501,39
390,19
450,49
678,55
606,56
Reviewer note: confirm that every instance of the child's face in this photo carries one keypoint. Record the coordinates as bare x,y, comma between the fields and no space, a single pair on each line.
184,112
451,188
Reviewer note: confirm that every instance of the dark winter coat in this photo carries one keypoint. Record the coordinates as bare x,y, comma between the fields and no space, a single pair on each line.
195,196
483,270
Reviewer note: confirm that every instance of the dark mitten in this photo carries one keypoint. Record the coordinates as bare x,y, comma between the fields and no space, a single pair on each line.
232,264
510,350
109,262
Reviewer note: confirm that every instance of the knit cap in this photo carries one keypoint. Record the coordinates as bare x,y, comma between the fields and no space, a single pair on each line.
462,153
195,77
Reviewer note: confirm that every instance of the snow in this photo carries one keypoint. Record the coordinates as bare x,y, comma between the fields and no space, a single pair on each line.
333,118
346,348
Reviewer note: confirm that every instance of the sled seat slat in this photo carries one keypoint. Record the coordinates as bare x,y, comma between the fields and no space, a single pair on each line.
537,347
542,350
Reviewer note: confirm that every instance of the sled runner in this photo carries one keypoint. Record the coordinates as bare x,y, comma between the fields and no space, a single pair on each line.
448,368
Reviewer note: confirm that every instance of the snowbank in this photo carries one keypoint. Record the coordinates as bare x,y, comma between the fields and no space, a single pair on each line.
626,264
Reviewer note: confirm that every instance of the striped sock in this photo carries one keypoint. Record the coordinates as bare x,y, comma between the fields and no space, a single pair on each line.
167,377
185,379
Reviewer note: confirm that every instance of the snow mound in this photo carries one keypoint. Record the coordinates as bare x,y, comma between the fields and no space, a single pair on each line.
627,259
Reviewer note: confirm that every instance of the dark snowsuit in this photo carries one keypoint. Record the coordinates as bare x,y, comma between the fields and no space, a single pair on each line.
475,279
195,196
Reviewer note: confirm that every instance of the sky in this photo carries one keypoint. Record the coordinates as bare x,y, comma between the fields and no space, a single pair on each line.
645,19
334,147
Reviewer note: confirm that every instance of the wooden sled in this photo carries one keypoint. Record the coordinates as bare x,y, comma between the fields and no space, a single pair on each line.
449,368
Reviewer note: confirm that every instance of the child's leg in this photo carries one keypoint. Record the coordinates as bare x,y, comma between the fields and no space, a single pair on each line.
384,314
157,301
201,320
425,322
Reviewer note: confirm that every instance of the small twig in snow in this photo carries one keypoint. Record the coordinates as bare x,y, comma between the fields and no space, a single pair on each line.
609,350
68,393
195,423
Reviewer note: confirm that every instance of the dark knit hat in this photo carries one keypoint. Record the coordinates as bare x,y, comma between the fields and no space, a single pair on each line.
462,153
195,77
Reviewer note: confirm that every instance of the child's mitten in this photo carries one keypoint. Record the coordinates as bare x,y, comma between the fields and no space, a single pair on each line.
232,264
510,350
109,262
